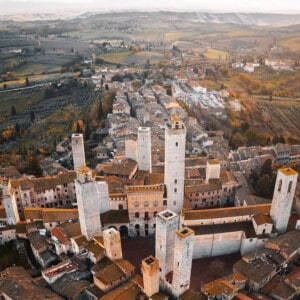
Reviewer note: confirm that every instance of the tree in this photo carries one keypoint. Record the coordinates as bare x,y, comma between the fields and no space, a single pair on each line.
87,133
254,177
216,268
17,128
13,110
100,111
266,168
78,128
5,86
32,116
34,167
27,81
264,187
169,91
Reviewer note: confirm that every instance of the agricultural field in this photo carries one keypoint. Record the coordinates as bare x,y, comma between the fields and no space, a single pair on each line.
292,43
142,57
116,58
33,68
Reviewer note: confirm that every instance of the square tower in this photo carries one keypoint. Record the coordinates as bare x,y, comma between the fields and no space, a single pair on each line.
166,226
78,150
112,243
144,149
283,196
175,138
213,169
88,203
183,257
150,271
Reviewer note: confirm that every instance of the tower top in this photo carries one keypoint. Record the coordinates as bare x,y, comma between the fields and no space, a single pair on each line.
84,174
184,232
176,122
166,215
287,171
150,263
77,135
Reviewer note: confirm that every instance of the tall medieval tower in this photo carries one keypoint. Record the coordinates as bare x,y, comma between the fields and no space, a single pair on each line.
150,271
144,149
112,243
183,257
283,198
88,203
175,136
78,150
166,226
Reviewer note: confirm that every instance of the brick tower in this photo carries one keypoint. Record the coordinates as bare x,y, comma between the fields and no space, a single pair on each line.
150,271
283,196
112,243
175,137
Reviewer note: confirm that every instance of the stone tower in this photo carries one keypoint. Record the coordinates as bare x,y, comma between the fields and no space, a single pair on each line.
166,226
213,169
175,135
112,243
131,148
88,203
144,149
183,257
78,150
150,271
284,192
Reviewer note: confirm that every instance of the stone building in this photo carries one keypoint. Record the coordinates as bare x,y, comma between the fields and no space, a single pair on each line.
78,150
144,202
175,138
50,191
112,244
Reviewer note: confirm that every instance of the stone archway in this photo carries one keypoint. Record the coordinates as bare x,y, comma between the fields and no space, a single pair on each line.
137,230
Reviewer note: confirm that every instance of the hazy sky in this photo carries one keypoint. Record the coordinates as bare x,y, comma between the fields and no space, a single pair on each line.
24,6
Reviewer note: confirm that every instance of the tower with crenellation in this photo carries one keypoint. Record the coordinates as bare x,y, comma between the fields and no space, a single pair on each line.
150,271
175,139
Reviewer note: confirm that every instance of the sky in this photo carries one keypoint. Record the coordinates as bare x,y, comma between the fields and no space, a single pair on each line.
266,6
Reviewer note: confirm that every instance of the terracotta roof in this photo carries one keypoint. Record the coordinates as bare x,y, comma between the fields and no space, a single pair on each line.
59,214
287,243
262,219
33,213
226,212
71,228
128,291
246,227
60,235
138,279
95,247
44,183
288,171
123,168
80,240
115,216
220,287
240,296
108,271
2,212
125,265
213,162
213,185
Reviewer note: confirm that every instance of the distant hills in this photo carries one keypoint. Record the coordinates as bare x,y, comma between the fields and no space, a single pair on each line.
258,19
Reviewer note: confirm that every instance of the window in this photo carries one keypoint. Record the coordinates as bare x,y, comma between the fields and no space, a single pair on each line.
165,202
290,186
155,203
175,190
146,215
120,206
146,203
137,215
174,203
155,213
136,204
175,180
176,144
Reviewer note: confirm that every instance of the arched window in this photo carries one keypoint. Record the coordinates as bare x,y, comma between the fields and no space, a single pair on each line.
279,185
146,203
120,206
137,215
290,186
